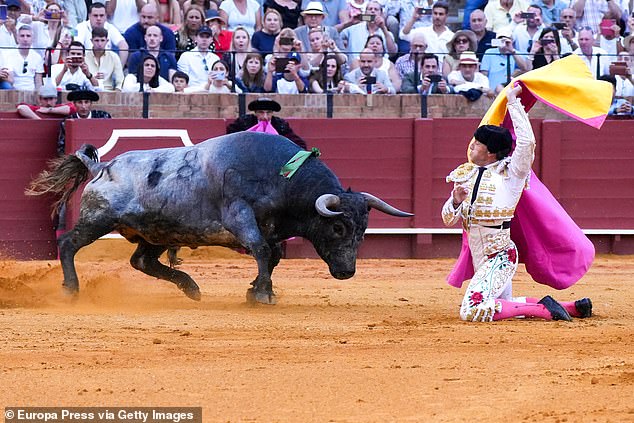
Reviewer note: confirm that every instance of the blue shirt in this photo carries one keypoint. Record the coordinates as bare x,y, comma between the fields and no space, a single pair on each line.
263,42
166,61
135,37
551,15
495,63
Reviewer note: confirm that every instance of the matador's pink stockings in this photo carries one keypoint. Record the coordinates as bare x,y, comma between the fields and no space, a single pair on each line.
515,309
568,305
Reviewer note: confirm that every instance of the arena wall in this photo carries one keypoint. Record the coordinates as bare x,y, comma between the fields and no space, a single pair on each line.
403,161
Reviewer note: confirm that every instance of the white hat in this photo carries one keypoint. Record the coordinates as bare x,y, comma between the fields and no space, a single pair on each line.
468,58
314,8
504,33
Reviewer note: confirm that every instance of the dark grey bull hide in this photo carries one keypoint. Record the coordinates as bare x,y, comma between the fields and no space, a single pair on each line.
225,191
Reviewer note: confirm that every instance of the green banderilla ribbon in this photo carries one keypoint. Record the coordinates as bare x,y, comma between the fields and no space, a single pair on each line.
297,160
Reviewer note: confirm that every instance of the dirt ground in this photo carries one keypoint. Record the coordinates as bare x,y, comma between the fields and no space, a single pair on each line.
384,346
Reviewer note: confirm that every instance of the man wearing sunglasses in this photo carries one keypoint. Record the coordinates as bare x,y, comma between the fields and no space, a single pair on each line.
26,66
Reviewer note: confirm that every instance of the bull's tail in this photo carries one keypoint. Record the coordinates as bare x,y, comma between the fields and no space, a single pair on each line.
65,174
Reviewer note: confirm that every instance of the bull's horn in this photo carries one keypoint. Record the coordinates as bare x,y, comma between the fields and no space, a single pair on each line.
380,205
325,201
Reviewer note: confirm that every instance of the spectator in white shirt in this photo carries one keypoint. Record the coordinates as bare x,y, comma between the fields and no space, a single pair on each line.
437,35
25,65
97,19
598,65
197,62
150,74
74,70
468,77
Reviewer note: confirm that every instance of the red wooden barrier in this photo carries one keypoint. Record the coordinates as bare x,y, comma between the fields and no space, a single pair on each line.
26,230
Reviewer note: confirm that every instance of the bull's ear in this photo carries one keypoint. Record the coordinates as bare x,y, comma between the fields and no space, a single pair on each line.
324,202
380,205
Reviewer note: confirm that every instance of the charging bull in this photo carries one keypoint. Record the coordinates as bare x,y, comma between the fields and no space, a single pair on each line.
226,191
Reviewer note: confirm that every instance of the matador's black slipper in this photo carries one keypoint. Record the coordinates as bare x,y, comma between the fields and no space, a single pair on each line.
584,307
557,311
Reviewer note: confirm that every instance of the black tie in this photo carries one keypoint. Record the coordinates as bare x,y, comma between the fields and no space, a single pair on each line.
474,193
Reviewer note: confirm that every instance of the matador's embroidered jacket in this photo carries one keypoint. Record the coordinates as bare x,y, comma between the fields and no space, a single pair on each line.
498,193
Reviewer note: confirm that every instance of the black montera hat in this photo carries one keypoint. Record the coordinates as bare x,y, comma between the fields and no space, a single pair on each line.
264,103
496,138
83,94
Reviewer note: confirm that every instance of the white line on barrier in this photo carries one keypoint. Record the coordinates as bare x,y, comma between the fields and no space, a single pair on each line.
143,133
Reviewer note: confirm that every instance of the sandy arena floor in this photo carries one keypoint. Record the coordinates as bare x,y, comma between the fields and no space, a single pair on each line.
384,346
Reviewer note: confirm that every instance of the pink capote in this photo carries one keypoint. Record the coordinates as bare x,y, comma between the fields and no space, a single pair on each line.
263,126
554,249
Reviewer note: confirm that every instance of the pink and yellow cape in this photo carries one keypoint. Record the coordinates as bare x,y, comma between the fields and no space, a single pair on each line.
551,245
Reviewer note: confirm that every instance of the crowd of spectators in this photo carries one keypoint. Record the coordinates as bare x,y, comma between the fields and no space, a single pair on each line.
312,46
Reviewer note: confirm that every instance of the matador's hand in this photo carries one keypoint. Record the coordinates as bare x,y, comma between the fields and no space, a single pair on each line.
513,93
459,194
484,311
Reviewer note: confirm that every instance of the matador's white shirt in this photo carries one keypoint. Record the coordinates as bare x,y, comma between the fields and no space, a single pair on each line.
499,192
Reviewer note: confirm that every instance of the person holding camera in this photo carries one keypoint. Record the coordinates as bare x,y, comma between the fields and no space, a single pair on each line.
372,23
74,70
366,79
429,81
501,63
328,77
438,35
283,76
286,43
567,30
47,27
546,49
313,16
9,23
526,33
320,46
551,10
375,43
219,82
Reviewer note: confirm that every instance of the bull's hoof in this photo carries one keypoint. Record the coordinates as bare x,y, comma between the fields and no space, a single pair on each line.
254,297
192,292
70,294
70,291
